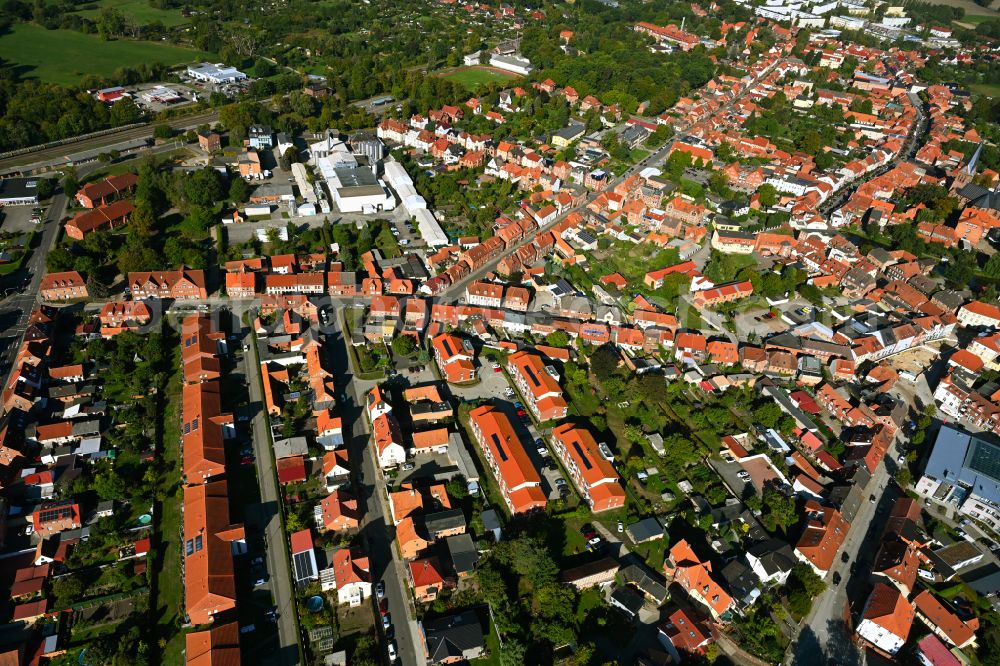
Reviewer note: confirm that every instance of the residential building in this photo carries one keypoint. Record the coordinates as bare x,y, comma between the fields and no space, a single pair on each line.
63,286
685,568
183,283
517,478
102,218
454,638
454,357
594,476
352,574
886,619
209,543
538,384
825,531
104,192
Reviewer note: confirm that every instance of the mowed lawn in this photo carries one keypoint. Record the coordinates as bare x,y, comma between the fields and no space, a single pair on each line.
64,56
139,9
474,77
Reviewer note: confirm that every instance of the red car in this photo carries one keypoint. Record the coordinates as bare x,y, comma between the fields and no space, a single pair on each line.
383,607
498,369
521,413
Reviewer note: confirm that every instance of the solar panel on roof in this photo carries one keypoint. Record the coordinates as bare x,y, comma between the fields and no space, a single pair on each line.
304,566
583,457
984,458
499,448
531,375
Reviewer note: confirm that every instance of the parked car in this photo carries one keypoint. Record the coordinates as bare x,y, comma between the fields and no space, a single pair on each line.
845,557
560,481
594,541
836,578
386,621
391,650
383,607
408,466
518,405
621,527
380,589
496,368
743,474
521,412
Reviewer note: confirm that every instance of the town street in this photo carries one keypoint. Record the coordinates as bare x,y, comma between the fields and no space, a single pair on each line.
279,582
377,529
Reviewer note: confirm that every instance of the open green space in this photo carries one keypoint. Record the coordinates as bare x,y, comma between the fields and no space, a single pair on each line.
64,56
140,10
988,89
475,77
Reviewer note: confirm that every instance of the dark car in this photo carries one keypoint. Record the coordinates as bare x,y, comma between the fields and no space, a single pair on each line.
836,578
845,557
586,528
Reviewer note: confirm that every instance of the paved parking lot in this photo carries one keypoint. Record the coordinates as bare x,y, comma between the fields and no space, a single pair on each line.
491,387
17,220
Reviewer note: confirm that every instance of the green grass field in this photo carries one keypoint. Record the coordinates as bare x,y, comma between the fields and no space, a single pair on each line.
474,77
988,89
139,9
64,56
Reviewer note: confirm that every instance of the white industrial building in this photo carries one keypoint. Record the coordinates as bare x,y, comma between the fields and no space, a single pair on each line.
217,73
511,63
415,205
355,189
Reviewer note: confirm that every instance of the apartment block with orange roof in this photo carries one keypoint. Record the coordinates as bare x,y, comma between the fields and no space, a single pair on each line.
204,430
454,357
537,384
516,476
208,547
594,476
213,647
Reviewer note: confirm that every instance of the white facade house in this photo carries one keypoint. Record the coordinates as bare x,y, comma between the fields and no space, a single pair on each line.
887,618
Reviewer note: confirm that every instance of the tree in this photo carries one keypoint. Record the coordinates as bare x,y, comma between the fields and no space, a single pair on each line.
513,653
239,191
780,509
203,187
70,182
290,156
604,363
125,112
163,131
404,345
767,415
45,187
768,195
557,339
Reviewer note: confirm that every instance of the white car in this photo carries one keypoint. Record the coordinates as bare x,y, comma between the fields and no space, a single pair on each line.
392,652
743,474
404,242
593,542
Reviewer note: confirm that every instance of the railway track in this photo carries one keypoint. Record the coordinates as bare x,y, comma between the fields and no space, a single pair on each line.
65,150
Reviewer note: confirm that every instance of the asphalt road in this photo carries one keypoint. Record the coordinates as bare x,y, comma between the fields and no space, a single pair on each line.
825,631
279,581
15,309
377,529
